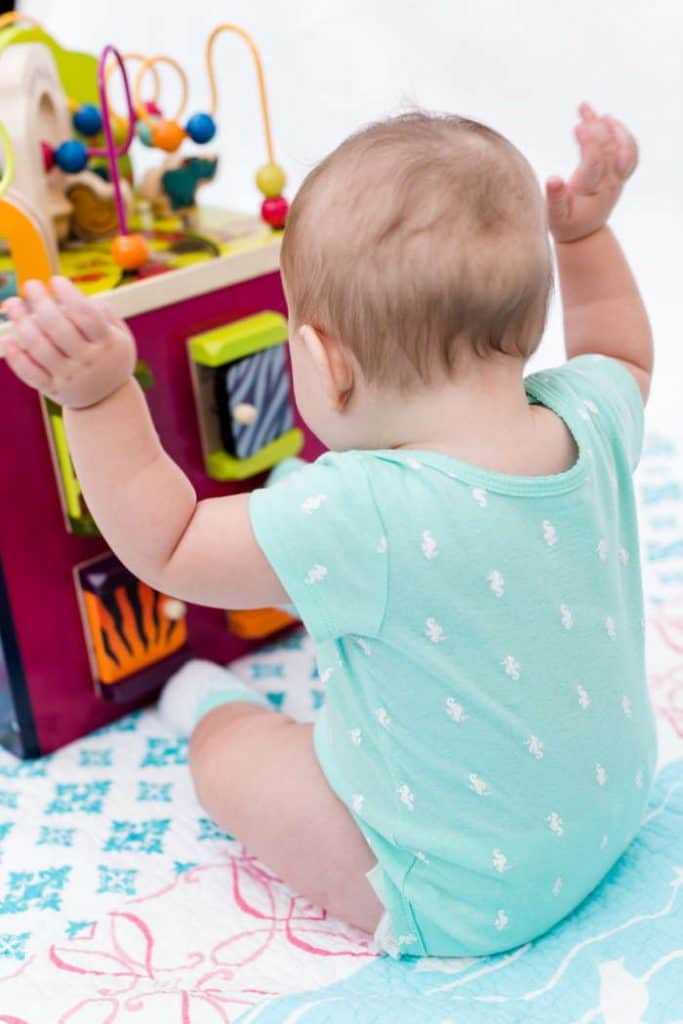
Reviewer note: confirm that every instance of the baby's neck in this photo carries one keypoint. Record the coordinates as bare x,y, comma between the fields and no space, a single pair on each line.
483,418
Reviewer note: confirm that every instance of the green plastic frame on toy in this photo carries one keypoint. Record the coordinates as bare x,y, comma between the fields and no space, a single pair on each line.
225,345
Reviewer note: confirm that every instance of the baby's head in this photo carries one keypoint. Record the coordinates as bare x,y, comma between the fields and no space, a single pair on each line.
416,247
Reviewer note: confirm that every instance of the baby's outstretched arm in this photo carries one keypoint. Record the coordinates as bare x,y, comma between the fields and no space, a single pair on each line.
80,355
603,310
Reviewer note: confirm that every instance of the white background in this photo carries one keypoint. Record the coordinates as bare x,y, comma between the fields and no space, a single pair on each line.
332,65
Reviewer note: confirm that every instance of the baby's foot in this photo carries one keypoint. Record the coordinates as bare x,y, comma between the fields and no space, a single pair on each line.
197,688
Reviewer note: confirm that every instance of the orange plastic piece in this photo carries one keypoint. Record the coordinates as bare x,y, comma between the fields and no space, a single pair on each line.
130,251
29,254
120,651
256,623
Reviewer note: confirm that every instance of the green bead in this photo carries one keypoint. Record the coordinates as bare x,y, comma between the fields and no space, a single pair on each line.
144,133
271,180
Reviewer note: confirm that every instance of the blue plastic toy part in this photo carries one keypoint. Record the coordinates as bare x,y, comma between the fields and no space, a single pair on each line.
87,120
201,128
71,156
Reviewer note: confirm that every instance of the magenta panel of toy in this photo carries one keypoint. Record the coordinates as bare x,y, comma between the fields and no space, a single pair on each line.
50,689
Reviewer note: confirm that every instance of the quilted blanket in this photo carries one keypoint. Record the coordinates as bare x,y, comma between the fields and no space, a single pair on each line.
121,902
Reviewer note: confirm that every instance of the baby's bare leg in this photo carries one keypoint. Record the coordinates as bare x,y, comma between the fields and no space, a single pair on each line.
257,775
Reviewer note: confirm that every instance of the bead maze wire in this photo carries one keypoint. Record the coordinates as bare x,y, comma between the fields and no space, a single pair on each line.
140,58
149,64
110,150
213,86
12,17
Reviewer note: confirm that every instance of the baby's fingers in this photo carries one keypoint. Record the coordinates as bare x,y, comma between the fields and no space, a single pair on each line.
52,321
87,315
32,340
598,148
558,200
626,159
25,368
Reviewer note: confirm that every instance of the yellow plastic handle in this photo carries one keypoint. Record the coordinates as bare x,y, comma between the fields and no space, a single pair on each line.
8,169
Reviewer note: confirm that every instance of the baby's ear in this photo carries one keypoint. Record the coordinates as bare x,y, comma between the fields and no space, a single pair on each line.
333,363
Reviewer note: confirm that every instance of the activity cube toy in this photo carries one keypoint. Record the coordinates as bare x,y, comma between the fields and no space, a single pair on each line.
82,641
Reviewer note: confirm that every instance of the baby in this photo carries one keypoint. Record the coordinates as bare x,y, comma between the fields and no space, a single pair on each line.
465,556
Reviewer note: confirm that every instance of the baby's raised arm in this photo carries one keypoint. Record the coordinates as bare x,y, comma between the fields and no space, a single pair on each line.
602,307
80,355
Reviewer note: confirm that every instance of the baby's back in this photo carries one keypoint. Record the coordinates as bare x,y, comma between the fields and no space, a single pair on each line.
487,719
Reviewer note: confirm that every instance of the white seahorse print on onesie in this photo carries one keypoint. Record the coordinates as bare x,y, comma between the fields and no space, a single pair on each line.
549,533
535,747
407,796
567,616
434,631
496,582
315,575
477,784
500,862
312,504
512,667
429,546
455,710
502,920
555,823
584,699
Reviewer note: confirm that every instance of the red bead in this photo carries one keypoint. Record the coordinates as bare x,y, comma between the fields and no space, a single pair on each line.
48,155
274,211
152,109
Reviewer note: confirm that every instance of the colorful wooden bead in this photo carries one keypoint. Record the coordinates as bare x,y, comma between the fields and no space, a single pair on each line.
201,128
274,211
152,108
130,251
119,128
87,120
48,155
71,156
167,135
144,133
271,180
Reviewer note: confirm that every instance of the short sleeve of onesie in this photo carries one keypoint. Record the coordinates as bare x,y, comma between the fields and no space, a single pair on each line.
607,395
320,529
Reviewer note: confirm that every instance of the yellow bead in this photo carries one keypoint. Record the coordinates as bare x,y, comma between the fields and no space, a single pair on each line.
271,180
119,128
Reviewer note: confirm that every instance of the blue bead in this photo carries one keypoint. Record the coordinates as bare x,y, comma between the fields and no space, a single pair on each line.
144,133
71,156
201,128
88,120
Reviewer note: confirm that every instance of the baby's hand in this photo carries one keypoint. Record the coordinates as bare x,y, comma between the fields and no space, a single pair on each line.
609,155
71,348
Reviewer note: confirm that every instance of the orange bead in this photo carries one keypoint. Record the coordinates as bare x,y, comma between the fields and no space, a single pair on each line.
167,135
130,251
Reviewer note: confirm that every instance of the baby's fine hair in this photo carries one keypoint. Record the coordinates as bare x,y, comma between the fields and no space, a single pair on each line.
420,238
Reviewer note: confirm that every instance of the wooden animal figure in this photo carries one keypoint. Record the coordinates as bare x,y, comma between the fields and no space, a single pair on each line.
172,187
94,212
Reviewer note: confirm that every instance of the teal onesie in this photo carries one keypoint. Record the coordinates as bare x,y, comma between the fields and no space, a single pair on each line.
481,638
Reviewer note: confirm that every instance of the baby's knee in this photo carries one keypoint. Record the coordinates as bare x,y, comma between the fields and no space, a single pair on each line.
223,745
216,740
